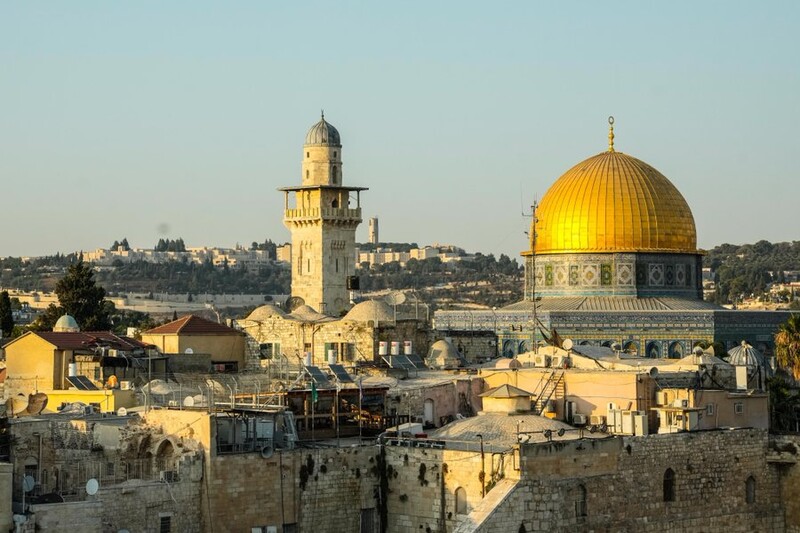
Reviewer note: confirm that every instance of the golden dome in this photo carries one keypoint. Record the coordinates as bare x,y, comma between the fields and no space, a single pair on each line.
613,202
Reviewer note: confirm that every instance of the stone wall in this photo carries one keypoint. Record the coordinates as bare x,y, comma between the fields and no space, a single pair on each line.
612,484
422,485
784,453
618,485
320,490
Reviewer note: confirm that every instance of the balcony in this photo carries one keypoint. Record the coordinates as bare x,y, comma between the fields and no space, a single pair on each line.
324,213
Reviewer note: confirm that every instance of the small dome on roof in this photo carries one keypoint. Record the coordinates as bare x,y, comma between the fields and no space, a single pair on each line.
507,362
443,354
323,133
376,310
266,311
501,430
307,314
66,324
746,355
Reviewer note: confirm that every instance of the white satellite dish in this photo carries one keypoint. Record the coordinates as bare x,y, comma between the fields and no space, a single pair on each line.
188,401
91,487
28,483
188,351
567,344
122,412
20,519
653,372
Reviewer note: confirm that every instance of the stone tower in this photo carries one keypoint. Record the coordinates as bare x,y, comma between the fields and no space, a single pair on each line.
323,223
373,231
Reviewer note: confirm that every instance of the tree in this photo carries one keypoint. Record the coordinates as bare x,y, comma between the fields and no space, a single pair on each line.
79,296
787,345
6,316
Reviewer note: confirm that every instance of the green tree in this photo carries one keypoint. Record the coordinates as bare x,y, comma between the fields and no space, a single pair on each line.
787,345
79,296
6,316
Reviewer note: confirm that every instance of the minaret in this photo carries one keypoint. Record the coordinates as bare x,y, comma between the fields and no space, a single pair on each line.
323,224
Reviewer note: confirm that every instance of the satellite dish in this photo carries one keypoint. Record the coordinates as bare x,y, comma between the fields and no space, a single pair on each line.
653,372
188,401
28,483
91,487
698,350
188,351
122,412
16,404
395,298
20,519
294,302
561,432
616,346
567,344
36,404
267,451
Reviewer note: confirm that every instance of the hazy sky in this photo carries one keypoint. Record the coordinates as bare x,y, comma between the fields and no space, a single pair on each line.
181,119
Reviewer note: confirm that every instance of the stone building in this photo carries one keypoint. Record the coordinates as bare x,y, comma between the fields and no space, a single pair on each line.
323,224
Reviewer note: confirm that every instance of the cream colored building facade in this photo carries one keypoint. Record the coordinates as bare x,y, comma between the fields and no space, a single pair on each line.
323,224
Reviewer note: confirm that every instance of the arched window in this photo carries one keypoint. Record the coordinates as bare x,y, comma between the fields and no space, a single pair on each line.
461,501
308,174
580,503
669,485
653,350
750,490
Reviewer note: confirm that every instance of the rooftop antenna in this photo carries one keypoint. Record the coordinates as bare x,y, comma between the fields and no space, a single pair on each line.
534,221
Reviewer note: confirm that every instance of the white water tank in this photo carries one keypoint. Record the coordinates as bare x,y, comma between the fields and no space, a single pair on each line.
383,348
408,348
395,348
331,357
73,369
309,359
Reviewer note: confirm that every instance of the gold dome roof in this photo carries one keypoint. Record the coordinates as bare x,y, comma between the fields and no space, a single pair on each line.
613,202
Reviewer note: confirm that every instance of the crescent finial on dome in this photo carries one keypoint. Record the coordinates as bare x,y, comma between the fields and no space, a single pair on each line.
610,134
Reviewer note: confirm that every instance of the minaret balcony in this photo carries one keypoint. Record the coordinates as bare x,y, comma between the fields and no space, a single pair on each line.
323,213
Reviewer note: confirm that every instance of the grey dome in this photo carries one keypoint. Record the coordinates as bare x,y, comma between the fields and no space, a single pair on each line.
265,312
746,355
324,134
66,324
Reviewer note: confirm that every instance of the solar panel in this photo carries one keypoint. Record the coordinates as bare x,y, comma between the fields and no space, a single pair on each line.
81,383
417,362
341,374
318,376
401,361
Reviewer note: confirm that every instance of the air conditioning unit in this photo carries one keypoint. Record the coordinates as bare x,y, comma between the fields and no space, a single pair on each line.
681,403
578,419
597,420
88,409
557,361
113,353
173,403
168,476
662,398
124,385
541,360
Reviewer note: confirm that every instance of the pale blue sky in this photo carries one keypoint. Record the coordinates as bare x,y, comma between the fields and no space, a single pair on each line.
120,117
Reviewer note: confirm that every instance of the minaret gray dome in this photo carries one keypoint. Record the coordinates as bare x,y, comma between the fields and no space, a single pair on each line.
323,134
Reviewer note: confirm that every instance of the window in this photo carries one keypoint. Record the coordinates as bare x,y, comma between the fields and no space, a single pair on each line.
308,154
337,264
368,521
738,408
461,501
224,366
580,503
750,490
308,174
669,485
334,153
269,350
164,523
710,409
